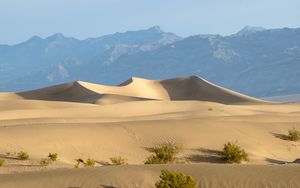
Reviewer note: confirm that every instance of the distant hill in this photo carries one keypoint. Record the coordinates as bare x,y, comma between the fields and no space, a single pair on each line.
254,61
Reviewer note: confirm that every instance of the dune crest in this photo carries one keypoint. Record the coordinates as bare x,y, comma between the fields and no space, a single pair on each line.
136,89
69,92
196,88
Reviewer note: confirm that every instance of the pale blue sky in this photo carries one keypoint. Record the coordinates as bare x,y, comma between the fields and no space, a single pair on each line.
21,19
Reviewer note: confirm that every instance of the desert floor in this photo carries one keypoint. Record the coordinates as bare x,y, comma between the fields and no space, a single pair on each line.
129,128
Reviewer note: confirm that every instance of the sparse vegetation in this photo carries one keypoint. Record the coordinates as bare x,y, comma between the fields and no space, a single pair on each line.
171,179
78,162
89,163
294,135
23,155
233,153
1,162
118,161
164,153
210,109
53,156
45,162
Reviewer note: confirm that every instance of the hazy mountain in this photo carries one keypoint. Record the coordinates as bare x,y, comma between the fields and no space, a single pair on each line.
285,98
250,30
39,62
254,61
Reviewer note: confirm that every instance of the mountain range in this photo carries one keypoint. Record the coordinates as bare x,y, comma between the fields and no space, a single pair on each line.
255,61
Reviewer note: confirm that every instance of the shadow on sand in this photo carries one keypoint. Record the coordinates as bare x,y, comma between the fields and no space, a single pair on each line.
275,161
3,156
103,163
280,136
207,156
107,186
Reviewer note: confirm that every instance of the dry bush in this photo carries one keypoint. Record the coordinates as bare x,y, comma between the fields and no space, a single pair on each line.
45,162
53,156
294,135
118,161
78,162
90,162
164,153
232,153
23,155
171,179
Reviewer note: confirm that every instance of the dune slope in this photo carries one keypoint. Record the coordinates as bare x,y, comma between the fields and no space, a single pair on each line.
195,88
70,92
134,89
207,176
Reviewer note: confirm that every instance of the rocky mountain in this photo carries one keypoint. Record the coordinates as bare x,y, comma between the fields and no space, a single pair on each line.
40,62
254,61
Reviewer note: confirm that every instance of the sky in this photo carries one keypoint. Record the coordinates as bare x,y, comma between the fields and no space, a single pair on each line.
21,19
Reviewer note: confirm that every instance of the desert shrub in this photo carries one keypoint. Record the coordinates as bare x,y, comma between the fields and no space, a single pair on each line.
118,161
294,135
1,162
45,162
23,155
164,153
89,163
233,153
78,162
171,179
53,156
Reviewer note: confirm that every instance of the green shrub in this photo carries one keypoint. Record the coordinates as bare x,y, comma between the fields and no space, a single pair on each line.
90,163
118,161
78,162
233,153
294,135
1,162
171,179
45,162
164,153
23,155
53,156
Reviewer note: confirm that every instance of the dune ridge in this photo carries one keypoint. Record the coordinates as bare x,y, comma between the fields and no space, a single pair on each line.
135,89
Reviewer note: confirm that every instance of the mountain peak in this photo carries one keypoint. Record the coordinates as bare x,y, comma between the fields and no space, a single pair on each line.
156,29
250,30
56,36
35,38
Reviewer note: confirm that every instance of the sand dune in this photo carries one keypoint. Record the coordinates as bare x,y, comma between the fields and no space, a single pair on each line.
134,89
85,120
70,92
207,176
86,130
195,88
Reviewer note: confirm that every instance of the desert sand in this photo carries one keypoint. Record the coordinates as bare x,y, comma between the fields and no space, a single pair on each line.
86,120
